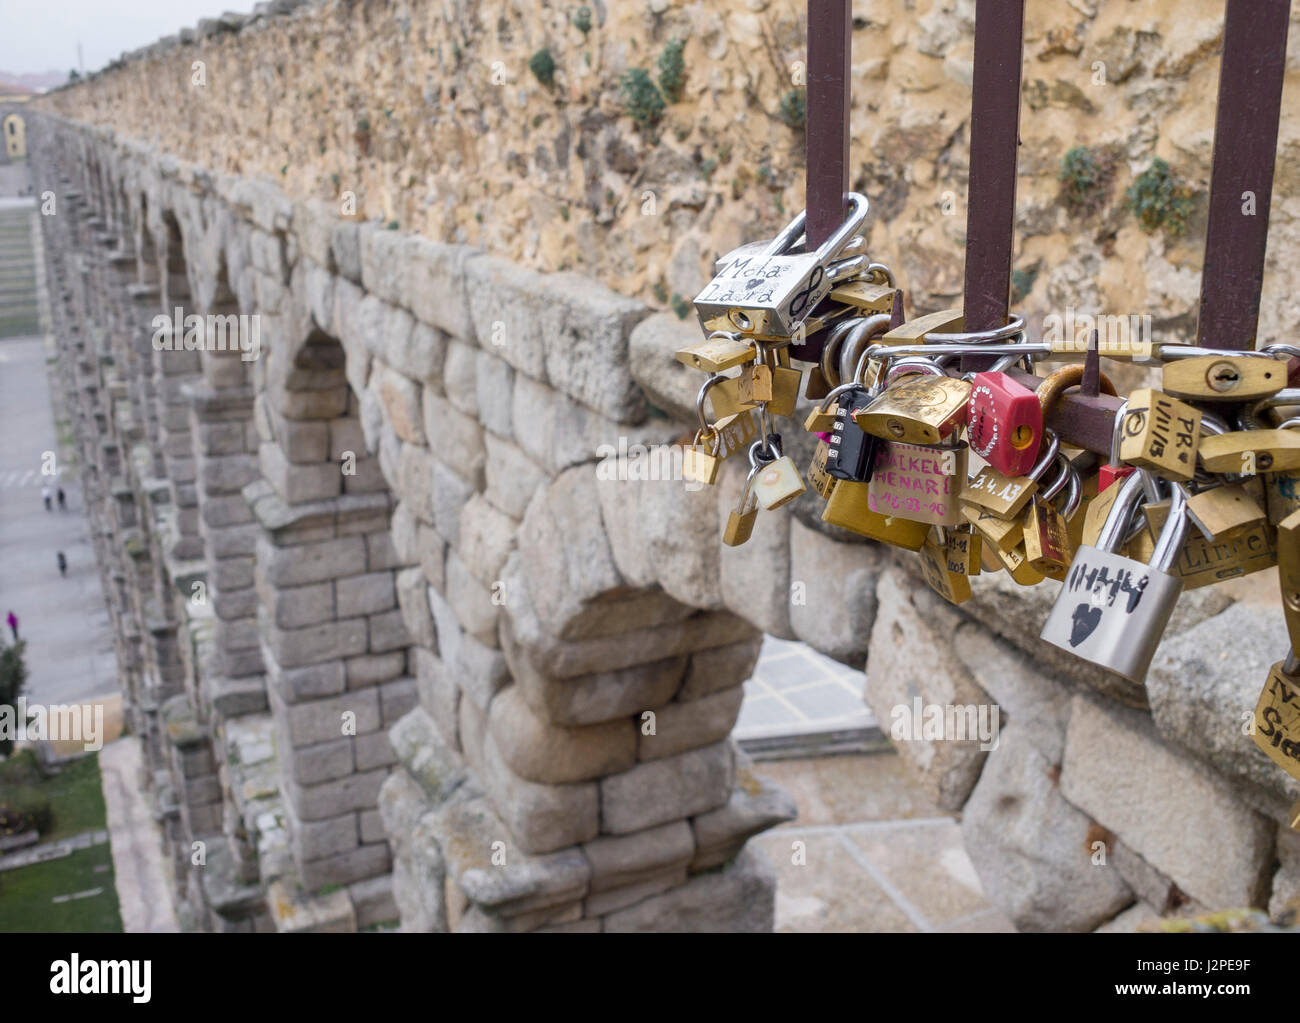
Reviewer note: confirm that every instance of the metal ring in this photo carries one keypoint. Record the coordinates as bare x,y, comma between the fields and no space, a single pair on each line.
833,342
1014,326
880,268
717,378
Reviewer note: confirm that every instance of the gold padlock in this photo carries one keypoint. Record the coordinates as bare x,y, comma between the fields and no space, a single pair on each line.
726,400
1161,434
1277,716
964,550
755,383
1006,496
914,330
1288,573
740,522
778,482
1250,452
921,483
1045,527
698,465
716,353
1202,563
822,481
954,587
1224,511
916,409
1224,377
1018,567
1281,494
1001,534
848,507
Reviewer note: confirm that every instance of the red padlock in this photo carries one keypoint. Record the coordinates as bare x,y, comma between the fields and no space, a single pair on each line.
1005,423
1110,473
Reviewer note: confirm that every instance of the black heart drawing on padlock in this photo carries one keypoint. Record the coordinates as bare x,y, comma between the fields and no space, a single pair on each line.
1086,619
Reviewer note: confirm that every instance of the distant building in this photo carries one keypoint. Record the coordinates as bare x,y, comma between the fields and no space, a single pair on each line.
12,126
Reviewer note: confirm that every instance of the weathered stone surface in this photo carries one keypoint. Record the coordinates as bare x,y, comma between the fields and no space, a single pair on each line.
663,790
627,859
912,659
1035,852
1181,818
712,671
413,600
668,384
541,818
755,577
538,750
1204,684
439,695
684,726
1286,879
755,805
832,593
479,670
512,477
738,899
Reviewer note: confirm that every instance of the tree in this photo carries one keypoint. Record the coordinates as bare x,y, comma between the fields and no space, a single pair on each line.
13,676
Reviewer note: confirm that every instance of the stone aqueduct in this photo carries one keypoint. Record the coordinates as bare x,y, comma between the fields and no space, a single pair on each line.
392,632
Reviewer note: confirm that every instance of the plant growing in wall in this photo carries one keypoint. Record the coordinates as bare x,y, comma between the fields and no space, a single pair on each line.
582,20
542,65
1159,199
672,70
642,100
794,111
13,676
362,135
1085,175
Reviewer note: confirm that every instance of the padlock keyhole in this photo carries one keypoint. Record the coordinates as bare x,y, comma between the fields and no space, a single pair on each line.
1022,436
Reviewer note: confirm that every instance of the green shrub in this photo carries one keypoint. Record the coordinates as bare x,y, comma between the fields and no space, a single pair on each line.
582,20
642,100
794,110
1085,175
1158,199
13,676
672,70
1022,283
542,65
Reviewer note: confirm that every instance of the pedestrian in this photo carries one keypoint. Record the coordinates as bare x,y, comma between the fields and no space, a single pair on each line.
13,625
63,500
46,495
63,564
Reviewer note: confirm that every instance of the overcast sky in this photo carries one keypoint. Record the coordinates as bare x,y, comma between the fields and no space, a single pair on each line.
42,35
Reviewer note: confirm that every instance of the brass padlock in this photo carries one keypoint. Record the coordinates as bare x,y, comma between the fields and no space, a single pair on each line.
917,409
1224,377
1277,716
954,587
921,483
716,353
698,465
1018,567
848,508
755,383
726,400
964,550
1281,494
1005,496
1224,511
1160,433
740,522
1288,573
1046,531
1250,452
821,481
1001,534
1202,563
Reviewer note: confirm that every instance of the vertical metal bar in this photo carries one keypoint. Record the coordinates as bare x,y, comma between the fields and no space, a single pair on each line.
994,136
830,48
1245,147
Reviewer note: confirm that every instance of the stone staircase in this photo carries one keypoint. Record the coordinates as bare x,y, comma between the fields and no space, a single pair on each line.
18,315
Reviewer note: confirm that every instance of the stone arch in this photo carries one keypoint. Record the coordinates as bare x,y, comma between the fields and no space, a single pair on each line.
13,128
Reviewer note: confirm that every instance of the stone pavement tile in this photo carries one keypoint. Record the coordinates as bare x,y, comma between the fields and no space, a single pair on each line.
849,789
988,921
826,701
142,888
762,712
829,891
925,864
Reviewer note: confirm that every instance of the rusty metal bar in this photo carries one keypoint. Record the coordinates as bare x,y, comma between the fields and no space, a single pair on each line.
991,194
1245,147
830,48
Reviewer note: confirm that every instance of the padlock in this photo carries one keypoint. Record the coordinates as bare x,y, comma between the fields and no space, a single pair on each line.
740,522
1018,567
1004,423
725,398
1046,530
963,549
1202,563
1224,377
916,409
773,292
817,386
921,483
735,433
1225,511
1281,494
1112,610
698,465
848,508
954,587
718,352
1161,434
913,331
819,479
1277,715
1001,534
1115,469
1005,496
755,383
853,453
1250,452
865,296
778,481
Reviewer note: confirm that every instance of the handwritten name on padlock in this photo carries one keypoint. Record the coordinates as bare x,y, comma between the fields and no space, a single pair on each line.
918,483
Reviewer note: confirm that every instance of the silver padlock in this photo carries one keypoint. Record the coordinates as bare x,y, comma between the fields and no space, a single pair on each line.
769,293
1113,610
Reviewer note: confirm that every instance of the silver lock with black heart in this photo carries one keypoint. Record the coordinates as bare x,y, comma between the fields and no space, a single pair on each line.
1113,610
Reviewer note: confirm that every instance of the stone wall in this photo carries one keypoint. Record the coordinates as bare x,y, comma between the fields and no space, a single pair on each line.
386,608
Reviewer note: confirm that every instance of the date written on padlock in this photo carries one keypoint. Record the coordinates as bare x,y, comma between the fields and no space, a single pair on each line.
916,409
1004,423
953,587
919,483
1160,433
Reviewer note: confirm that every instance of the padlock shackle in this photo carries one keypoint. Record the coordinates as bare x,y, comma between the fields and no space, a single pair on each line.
711,382
832,246
1171,351
902,351
1170,543
1115,432
853,351
1013,327
1115,529
1250,414
834,340
1051,448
